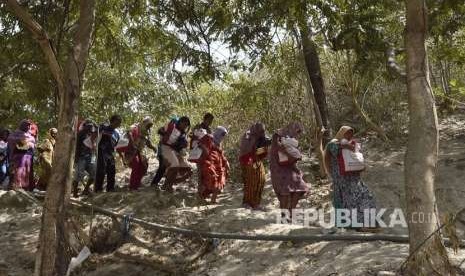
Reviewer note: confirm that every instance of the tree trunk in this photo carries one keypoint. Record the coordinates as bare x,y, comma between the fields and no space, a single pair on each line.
428,254
55,259
53,254
312,63
445,79
316,89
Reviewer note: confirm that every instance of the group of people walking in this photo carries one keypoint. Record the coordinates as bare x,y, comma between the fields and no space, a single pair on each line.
97,145
287,179
178,151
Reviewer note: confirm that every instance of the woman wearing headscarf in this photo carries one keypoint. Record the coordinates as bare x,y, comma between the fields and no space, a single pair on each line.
287,179
46,150
349,191
253,149
21,145
213,165
139,139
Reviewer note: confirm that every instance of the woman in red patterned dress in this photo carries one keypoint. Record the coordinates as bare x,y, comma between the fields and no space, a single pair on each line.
214,166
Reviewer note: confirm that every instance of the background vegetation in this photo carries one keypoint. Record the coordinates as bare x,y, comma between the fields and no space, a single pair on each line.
241,61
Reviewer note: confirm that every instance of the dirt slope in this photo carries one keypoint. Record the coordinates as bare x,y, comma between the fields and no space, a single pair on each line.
158,253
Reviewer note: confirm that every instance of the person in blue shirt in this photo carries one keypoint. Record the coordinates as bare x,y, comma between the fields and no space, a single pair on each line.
109,138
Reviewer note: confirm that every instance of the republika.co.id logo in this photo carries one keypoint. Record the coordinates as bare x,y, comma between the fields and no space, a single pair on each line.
355,218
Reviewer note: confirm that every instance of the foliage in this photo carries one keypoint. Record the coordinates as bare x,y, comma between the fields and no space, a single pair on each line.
237,59
380,97
25,83
274,94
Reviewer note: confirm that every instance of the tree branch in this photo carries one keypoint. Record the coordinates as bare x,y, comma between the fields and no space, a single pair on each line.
42,38
392,65
61,30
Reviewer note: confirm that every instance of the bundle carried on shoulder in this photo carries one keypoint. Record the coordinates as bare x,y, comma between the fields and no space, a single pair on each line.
353,160
172,133
196,152
291,147
123,143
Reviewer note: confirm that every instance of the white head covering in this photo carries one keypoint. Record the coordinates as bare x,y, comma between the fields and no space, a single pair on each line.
218,134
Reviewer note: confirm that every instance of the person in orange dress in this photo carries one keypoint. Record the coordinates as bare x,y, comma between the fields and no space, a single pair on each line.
213,165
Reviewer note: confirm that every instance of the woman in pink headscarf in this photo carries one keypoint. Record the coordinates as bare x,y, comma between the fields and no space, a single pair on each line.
286,178
21,145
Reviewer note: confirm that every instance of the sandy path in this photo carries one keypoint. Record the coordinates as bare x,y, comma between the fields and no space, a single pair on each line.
19,224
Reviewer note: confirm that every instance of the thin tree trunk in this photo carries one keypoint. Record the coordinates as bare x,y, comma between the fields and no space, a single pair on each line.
316,90
59,39
432,75
318,138
312,63
353,87
53,254
55,259
430,257
444,78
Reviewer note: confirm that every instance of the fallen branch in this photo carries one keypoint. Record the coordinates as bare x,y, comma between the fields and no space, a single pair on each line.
251,237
